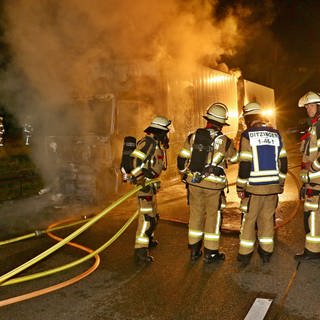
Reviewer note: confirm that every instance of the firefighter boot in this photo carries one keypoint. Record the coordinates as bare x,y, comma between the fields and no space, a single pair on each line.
195,250
307,255
244,258
213,256
152,242
142,255
264,255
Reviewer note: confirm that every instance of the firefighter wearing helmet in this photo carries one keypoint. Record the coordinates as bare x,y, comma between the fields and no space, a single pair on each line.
310,176
149,159
202,162
261,176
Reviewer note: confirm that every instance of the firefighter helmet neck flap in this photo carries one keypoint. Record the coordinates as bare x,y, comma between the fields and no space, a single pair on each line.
159,128
217,114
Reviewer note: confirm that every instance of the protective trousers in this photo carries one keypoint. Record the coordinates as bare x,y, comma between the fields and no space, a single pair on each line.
260,213
148,218
205,216
312,213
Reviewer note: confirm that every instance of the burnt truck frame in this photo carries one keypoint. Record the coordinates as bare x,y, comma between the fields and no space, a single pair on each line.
87,162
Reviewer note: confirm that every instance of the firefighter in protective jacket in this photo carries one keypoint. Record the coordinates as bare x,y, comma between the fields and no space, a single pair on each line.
261,177
149,159
202,162
310,176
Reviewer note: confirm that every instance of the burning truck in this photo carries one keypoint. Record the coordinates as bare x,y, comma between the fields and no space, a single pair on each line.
86,160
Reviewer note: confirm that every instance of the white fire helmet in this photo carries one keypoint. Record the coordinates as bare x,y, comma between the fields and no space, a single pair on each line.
251,108
309,97
161,123
217,112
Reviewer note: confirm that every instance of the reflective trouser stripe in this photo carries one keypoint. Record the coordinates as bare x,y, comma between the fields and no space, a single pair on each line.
244,205
147,208
218,222
142,240
260,213
195,234
244,208
247,243
211,236
205,219
266,240
312,224
144,228
308,206
313,237
214,237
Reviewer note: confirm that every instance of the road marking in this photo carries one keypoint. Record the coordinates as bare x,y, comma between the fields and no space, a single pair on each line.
259,309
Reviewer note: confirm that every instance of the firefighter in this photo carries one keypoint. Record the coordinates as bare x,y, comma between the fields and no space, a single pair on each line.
262,171
310,176
149,159
202,162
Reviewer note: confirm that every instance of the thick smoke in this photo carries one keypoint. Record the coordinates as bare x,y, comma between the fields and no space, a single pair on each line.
59,45
62,49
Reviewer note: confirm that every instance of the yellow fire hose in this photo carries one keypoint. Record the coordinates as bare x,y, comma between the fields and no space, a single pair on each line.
38,233
59,285
69,281
58,245
76,262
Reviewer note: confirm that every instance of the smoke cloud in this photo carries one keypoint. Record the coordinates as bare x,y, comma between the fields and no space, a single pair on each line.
62,49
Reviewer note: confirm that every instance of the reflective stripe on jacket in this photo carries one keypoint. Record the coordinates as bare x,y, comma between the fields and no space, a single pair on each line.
263,160
223,152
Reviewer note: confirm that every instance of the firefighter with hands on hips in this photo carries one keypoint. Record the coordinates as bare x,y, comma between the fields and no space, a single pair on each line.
262,171
202,162
149,159
310,176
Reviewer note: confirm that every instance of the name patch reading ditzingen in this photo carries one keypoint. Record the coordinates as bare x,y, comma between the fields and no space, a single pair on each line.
259,138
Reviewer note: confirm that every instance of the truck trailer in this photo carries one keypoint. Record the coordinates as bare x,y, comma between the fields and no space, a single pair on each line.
87,158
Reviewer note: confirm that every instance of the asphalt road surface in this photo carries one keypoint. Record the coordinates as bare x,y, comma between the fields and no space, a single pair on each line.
170,288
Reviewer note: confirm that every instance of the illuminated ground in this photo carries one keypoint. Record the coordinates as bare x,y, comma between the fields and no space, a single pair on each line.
170,288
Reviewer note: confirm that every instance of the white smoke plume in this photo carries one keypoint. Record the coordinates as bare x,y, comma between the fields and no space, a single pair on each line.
61,49
58,45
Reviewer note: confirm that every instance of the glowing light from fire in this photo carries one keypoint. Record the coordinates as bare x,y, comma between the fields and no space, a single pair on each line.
217,79
233,114
268,112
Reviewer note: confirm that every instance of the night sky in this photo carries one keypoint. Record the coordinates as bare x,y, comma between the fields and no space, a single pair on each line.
284,53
